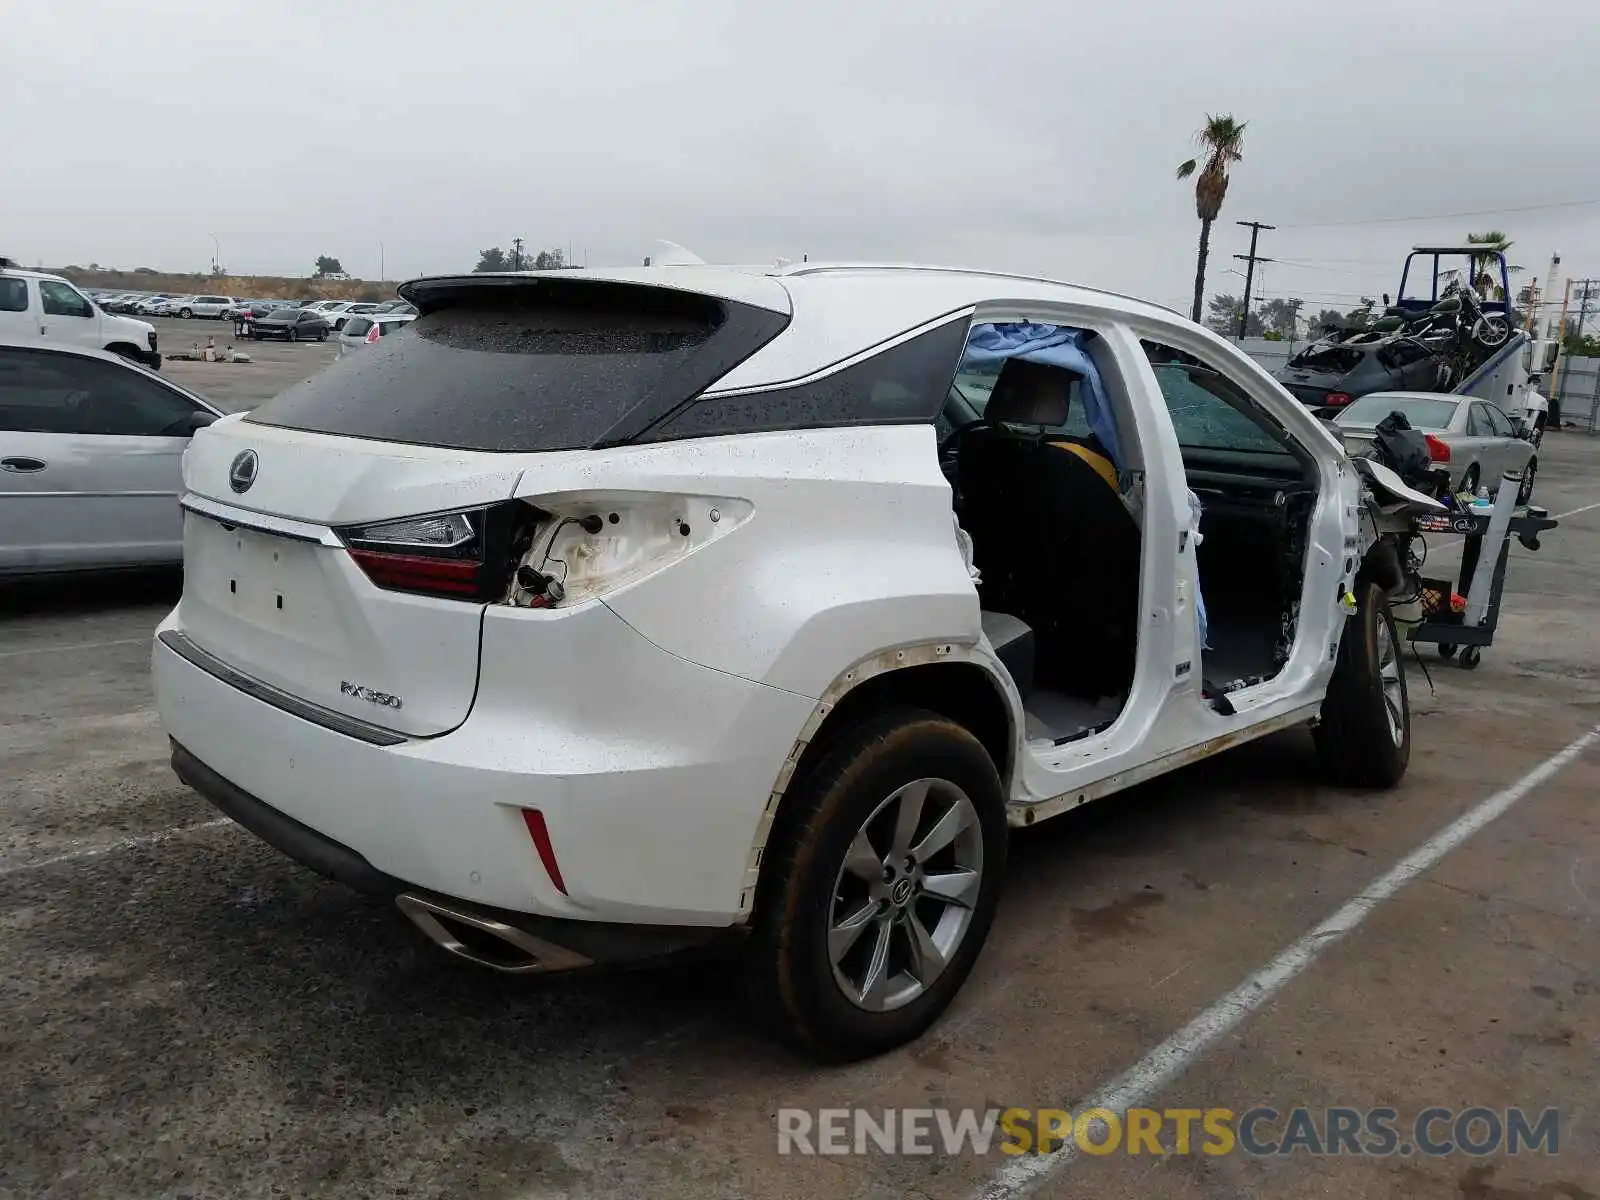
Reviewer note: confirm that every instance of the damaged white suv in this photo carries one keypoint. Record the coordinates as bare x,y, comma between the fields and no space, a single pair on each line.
615,614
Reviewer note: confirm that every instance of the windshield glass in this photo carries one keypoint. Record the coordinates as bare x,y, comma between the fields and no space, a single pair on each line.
1423,412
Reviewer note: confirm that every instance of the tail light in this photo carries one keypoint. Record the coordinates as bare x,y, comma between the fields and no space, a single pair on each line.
467,555
589,545
372,334
549,552
1336,399
1437,450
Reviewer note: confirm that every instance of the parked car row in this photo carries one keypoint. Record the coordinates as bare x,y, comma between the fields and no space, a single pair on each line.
232,308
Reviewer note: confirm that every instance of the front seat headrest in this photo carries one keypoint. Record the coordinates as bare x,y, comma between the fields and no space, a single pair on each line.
1028,393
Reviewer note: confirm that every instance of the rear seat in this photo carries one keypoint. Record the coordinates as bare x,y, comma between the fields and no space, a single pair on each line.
1012,640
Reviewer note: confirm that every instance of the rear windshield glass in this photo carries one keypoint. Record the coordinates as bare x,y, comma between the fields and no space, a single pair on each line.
1339,359
539,366
357,327
1422,413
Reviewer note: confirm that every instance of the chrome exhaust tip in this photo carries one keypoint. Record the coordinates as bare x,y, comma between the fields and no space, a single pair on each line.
487,942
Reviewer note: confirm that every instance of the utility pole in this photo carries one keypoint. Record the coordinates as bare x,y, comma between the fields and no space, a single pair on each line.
516,254
1251,260
1585,291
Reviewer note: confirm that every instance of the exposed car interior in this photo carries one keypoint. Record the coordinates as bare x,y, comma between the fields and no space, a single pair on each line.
1056,546
1057,542
1258,490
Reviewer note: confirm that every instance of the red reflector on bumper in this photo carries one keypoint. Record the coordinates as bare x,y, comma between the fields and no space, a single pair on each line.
534,820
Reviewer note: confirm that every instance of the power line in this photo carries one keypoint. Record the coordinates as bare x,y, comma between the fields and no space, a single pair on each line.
1481,212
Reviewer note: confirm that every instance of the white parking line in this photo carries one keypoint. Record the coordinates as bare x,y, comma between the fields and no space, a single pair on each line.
127,843
138,641
1139,1084
1574,512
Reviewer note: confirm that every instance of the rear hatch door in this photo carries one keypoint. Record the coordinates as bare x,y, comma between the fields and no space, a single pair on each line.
275,593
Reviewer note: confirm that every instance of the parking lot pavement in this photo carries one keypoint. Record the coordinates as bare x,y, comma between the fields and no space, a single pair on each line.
188,1014
273,365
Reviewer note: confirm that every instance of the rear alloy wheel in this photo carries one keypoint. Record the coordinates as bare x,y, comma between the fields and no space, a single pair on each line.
186,313
882,878
1469,481
1363,735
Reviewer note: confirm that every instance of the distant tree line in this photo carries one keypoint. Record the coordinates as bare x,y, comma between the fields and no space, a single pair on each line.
518,259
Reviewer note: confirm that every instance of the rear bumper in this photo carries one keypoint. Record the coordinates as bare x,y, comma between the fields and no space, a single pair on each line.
549,943
652,774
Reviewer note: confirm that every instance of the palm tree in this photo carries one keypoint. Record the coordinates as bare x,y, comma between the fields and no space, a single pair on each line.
1221,142
1483,264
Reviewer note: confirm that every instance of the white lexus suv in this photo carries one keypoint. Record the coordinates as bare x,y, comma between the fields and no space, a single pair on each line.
613,615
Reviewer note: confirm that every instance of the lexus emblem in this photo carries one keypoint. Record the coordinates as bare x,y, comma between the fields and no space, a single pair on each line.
243,471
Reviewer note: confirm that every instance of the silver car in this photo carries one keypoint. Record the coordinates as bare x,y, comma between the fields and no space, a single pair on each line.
365,330
91,460
1471,440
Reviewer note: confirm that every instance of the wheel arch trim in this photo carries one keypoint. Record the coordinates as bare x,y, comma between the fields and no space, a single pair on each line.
875,666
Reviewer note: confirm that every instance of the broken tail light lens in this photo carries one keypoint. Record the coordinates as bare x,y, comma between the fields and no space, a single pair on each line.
467,555
1438,451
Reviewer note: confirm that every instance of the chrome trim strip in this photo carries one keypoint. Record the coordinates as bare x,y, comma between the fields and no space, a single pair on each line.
82,495
244,518
185,649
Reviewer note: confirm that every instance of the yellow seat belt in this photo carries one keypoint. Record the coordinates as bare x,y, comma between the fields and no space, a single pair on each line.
1102,465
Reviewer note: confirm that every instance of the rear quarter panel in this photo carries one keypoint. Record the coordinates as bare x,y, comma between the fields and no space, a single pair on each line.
850,550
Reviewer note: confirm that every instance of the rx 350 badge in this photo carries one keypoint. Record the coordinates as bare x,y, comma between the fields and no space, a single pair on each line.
370,695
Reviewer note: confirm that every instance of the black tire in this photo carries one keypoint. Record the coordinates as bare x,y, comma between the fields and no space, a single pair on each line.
789,970
186,313
1360,740
1471,656
1469,481
1447,650
293,336
322,336
1525,489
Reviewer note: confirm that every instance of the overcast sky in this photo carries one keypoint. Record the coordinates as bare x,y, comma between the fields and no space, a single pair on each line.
1038,136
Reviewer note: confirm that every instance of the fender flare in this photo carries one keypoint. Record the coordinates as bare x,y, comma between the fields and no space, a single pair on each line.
875,666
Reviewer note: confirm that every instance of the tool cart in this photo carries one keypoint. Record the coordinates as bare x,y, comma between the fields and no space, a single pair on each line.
1463,613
